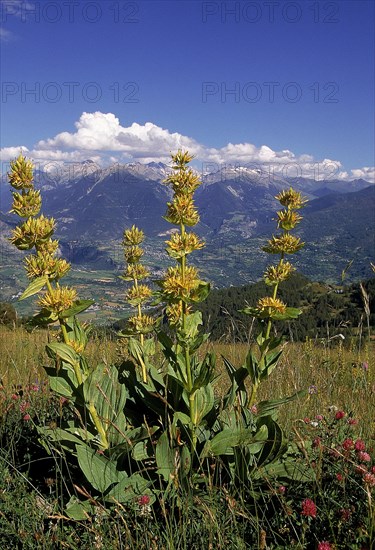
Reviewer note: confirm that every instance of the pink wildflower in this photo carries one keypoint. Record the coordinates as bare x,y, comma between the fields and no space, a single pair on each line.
309,508
365,366
319,417
15,396
369,479
348,444
282,489
27,417
363,456
324,546
254,409
339,415
360,445
339,477
24,405
144,500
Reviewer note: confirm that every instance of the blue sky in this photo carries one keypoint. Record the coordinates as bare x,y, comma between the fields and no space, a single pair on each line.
263,82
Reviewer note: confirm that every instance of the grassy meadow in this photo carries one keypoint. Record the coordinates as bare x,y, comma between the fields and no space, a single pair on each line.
165,440
333,371
33,491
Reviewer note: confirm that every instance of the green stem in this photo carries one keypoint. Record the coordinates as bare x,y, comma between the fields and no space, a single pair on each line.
98,424
187,358
254,389
255,386
76,366
141,337
77,371
269,324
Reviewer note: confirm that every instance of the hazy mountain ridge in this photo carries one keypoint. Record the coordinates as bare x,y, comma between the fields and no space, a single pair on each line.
237,205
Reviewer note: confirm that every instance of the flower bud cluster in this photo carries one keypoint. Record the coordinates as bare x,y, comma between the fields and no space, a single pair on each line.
183,182
21,173
181,245
27,204
58,299
42,263
178,284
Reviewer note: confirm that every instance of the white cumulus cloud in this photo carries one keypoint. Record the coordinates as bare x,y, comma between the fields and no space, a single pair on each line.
101,137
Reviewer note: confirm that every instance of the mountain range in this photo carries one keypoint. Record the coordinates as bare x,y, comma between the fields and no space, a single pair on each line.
93,205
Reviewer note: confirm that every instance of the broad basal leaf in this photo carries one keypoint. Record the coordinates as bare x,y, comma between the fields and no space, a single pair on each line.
98,469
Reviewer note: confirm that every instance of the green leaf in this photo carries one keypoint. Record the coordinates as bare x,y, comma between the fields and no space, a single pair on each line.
237,387
252,367
139,451
61,386
65,352
182,417
129,488
205,372
269,407
204,401
34,287
165,457
224,441
192,322
275,443
44,317
253,311
79,510
78,307
201,292
62,437
288,469
98,469
102,389
268,344
271,360
290,313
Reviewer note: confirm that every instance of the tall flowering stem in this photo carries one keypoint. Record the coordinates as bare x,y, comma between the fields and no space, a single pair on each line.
282,244
44,269
181,286
138,294
270,308
36,232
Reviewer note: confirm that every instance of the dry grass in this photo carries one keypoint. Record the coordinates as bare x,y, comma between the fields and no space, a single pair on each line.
327,367
23,354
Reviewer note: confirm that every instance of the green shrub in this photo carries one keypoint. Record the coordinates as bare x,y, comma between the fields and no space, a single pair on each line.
8,315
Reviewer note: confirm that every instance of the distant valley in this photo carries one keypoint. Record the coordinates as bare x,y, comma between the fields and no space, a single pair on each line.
93,206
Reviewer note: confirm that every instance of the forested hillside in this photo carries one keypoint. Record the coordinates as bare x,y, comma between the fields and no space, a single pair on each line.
326,310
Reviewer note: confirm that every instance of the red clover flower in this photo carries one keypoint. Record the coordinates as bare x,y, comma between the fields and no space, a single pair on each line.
309,508
360,445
